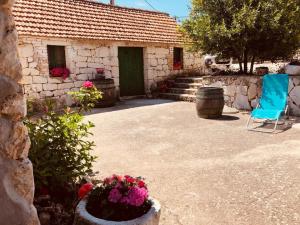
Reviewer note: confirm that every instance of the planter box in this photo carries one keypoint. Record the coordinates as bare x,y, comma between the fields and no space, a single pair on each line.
292,70
82,217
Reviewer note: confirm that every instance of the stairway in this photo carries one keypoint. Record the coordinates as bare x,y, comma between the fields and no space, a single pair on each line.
184,89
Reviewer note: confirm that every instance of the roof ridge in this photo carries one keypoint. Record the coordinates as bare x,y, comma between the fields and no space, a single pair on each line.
122,7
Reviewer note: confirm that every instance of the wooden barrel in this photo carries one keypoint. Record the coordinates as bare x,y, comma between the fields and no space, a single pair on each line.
109,94
210,102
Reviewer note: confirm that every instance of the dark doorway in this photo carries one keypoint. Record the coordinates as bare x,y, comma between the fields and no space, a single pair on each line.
131,65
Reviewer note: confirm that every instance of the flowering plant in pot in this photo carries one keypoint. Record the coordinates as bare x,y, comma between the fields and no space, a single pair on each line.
117,200
87,96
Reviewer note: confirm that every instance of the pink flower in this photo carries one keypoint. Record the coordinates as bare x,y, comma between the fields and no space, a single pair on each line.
88,84
114,195
137,196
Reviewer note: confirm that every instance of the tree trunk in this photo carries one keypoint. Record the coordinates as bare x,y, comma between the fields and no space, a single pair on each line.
252,64
246,61
241,65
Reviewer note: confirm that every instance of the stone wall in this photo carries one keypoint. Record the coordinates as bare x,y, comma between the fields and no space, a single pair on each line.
242,92
83,57
159,64
16,174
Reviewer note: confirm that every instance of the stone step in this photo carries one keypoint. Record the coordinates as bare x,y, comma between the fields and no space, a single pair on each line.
179,97
189,91
187,85
189,80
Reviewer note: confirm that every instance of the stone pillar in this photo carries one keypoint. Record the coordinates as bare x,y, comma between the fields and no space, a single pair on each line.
16,176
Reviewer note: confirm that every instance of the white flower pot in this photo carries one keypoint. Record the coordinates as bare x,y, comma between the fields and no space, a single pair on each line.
82,216
292,70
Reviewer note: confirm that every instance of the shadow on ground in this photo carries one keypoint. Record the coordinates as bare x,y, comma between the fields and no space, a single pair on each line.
129,104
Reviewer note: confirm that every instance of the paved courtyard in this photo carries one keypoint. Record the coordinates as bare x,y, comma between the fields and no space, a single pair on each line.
203,172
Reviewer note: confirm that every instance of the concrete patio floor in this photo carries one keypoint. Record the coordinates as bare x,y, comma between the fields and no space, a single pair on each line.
203,172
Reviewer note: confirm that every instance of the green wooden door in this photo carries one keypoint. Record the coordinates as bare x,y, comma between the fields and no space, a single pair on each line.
131,65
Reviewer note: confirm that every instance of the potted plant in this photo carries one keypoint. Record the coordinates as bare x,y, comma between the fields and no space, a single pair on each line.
100,73
121,200
293,68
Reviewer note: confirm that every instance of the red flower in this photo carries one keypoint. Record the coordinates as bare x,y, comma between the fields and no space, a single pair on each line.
60,72
84,190
118,178
129,179
141,184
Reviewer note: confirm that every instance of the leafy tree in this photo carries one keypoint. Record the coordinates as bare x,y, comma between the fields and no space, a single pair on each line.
244,29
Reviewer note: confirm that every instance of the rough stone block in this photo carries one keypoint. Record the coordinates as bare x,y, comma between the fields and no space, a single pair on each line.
8,88
82,64
65,86
153,62
252,91
102,52
242,90
44,94
242,102
36,87
30,71
39,80
26,80
54,80
26,50
84,52
49,87
229,90
58,93
33,65
78,83
82,77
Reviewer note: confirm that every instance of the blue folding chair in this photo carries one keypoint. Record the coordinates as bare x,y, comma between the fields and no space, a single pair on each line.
273,102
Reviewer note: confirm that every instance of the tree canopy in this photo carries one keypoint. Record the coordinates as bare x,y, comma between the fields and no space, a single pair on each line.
244,29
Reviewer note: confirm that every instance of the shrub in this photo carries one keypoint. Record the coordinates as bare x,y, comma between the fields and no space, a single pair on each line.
87,96
59,150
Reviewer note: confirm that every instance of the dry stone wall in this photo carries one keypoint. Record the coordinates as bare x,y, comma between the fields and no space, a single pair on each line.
82,58
16,174
242,92
159,64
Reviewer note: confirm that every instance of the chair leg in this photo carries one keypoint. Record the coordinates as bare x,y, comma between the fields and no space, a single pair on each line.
276,124
248,122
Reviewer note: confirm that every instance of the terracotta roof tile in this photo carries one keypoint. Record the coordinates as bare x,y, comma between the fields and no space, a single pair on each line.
91,20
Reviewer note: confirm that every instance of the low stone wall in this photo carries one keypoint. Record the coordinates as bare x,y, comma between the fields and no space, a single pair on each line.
242,92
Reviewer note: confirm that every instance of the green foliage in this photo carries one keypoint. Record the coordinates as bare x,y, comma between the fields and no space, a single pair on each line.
60,151
244,29
86,98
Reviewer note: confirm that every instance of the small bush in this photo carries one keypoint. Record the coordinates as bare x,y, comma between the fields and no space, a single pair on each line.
59,150
87,96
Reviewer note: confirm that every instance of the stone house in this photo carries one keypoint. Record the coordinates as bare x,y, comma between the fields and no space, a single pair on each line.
135,47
